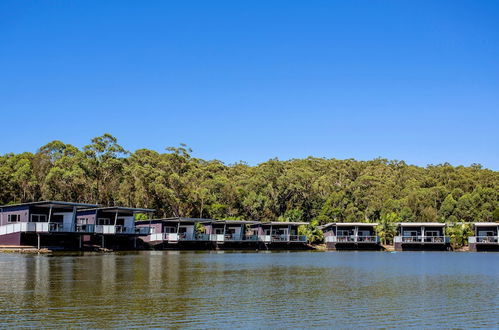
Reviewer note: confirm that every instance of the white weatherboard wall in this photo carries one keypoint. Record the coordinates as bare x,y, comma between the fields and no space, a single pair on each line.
237,230
188,229
67,222
129,222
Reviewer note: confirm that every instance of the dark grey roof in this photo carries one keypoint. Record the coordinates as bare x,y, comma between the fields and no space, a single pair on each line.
121,208
52,203
235,222
349,224
282,223
179,219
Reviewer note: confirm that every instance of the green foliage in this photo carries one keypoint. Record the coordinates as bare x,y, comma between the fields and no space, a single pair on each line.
459,234
387,227
199,228
495,215
312,231
313,189
293,215
141,217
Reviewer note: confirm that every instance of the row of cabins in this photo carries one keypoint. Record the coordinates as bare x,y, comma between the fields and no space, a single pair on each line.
70,225
196,233
76,225
410,236
57,224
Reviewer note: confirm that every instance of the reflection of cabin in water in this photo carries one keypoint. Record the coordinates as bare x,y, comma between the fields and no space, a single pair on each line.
421,236
353,236
486,237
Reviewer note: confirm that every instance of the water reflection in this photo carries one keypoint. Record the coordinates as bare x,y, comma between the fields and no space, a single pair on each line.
250,290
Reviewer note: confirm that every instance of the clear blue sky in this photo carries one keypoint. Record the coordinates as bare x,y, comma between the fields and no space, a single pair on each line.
252,80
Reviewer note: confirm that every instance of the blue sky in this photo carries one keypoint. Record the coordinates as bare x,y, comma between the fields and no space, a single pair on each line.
252,80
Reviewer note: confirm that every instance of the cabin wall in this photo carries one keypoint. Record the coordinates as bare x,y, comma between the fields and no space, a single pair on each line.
208,229
22,211
129,221
237,230
331,231
67,220
13,239
89,215
482,231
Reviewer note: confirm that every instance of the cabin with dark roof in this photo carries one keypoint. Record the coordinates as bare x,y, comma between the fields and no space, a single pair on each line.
47,223
176,232
486,237
279,233
111,227
421,236
232,233
351,236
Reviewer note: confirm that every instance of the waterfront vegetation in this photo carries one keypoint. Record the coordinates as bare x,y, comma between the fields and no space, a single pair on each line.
314,190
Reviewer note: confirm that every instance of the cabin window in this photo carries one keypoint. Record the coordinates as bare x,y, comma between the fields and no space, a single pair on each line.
219,231
38,218
343,233
82,221
14,218
170,230
103,221
152,230
432,233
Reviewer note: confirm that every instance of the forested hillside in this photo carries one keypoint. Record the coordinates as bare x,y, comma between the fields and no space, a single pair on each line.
176,184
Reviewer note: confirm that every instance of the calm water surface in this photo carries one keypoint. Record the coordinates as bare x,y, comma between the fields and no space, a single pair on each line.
251,290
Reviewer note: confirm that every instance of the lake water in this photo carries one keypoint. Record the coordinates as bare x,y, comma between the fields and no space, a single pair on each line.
250,290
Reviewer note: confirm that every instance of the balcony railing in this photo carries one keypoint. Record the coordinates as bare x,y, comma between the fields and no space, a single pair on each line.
36,227
174,237
422,239
80,228
289,238
233,237
483,239
352,239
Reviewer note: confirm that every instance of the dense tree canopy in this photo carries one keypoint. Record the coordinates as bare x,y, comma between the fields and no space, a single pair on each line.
312,189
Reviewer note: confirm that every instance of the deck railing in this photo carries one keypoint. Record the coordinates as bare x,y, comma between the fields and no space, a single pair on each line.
422,239
85,228
174,237
352,239
37,227
483,239
289,238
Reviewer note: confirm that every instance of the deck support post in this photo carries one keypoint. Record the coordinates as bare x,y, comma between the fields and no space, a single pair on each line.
38,238
270,233
135,242
102,241
80,242
73,220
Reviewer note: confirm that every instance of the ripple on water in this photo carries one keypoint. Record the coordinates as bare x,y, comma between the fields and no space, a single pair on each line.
250,290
